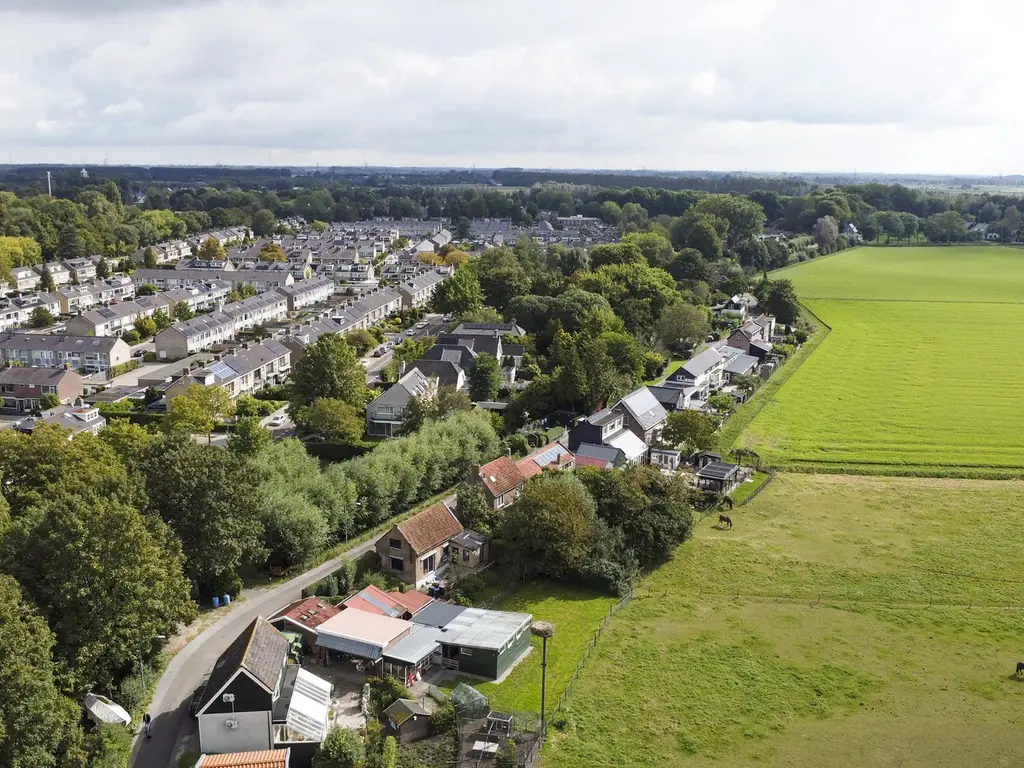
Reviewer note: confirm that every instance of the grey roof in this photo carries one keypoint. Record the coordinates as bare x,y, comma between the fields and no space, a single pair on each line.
407,707
599,452
700,364
351,646
468,539
489,329
260,650
59,342
764,345
311,285
741,364
673,398
717,470
438,614
114,311
447,372
644,407
33,376
482,628
459,354
246,360
603,417
309,333
423,280
420,643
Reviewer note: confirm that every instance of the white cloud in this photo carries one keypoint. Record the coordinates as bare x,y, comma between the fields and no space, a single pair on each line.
756,84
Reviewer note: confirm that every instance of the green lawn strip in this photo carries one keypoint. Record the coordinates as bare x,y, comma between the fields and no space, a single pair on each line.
577,613
757,480
746,413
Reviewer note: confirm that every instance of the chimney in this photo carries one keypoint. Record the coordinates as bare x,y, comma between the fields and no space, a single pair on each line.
401,368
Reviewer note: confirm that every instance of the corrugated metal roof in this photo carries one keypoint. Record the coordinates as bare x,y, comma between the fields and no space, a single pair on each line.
347,645
417,646
481,628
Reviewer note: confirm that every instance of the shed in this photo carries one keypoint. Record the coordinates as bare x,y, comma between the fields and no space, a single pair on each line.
361,634
413,653
408,720
486,643
718,476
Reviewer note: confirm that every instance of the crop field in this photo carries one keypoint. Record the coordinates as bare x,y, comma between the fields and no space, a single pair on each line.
844,621
915,376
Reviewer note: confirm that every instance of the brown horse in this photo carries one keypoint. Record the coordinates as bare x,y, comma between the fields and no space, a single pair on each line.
726,520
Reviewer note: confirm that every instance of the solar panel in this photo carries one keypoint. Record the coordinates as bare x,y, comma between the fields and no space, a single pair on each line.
717,470
548,456
222,370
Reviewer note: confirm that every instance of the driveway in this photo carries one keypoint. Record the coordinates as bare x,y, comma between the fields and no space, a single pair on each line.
169,709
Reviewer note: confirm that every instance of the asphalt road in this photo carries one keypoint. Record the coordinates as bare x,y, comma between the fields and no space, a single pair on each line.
169,708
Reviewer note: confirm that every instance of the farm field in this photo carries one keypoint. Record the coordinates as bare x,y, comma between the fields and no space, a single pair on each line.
914,386
844,621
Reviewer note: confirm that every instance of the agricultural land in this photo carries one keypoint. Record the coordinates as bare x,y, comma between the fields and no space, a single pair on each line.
843,621
915,376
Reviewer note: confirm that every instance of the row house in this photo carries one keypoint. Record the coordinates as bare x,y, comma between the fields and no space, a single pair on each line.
418,290
24,279
305,293
199,298
114,320
299,337
166,279
18,311
166,253
370,309
82,270
76,298
186,338
60,274
93,354
245,370
345,273
22,388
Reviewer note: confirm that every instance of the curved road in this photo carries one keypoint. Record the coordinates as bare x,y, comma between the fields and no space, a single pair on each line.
185,671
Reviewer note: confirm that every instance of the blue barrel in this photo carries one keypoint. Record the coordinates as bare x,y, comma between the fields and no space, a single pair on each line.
216,602
226,600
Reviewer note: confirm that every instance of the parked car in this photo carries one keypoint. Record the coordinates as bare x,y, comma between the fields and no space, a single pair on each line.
197,697
277,421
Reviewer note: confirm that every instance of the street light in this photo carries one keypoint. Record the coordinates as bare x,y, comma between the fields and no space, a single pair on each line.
142,667
543,630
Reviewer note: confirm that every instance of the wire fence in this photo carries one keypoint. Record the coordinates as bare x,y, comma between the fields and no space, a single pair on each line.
754,493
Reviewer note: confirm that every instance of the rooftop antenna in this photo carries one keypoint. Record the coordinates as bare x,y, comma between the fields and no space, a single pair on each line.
49,186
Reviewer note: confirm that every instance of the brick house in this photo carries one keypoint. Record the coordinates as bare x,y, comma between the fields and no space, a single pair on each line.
502,481
21,388
417,549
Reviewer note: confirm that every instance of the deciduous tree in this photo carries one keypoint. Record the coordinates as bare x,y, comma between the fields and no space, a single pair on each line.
690,430
485,378
335,419
248,436
329,369
682,325
458,294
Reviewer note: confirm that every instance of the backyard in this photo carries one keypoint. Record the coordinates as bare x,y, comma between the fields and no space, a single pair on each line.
576,613
843,621
906,382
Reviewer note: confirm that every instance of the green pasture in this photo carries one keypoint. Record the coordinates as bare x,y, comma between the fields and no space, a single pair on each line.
915,377
843,622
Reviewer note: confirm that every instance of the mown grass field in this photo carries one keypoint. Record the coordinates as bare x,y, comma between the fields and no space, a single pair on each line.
915,376
843,622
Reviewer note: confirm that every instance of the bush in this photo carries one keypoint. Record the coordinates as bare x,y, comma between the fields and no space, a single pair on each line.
117,370
131,337
384,693
131,694
377,579
346,576
48,401
109,746
149,357
443,719
800,335
518,444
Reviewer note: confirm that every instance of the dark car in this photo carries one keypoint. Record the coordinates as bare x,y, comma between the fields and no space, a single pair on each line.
197,697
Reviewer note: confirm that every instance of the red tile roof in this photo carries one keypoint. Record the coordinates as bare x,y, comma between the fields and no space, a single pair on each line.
413,601
268,758
310,613
430,528
501,476
528,467
371,598
590,461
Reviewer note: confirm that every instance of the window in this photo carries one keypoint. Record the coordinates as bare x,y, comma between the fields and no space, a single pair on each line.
395,543
397,564
455,553
428,563
465,554
466,651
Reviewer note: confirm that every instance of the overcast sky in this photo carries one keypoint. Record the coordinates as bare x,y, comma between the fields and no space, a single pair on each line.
761,85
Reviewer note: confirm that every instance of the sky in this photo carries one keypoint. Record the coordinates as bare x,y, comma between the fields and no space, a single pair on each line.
896,86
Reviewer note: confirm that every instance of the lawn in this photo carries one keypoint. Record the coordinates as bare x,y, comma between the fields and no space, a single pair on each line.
844,621
756,481
912,386
576,613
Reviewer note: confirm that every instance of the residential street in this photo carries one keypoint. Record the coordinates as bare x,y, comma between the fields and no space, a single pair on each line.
169,708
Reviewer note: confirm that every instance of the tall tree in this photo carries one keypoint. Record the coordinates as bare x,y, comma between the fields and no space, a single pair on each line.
485,378
782,301
826,233
248,436
108,580
336,420
549,530
209,498
46,280
211,250
71,245
329,369
458,294
272,252
263,222
682,325
38,727
690,430
149,260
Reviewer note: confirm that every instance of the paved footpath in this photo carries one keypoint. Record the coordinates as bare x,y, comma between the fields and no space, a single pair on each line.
169,708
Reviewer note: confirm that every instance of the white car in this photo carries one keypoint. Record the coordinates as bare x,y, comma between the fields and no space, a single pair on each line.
277,421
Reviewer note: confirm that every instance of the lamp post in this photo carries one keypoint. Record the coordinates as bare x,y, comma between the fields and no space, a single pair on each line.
543,630
142,666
